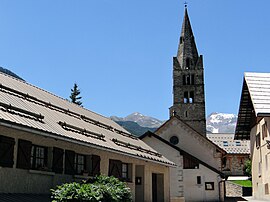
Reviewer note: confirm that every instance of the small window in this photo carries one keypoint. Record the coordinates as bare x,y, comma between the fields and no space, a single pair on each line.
238,143
199,180
186,99
187,63
190,163
260,169
225,143
266,189
186,113
174,140
184,80
124,170
209,186
264,130
79,165
39,157
191,97
181,39
188,79
258,140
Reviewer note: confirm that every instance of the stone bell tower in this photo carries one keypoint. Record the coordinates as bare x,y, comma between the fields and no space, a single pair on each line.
188,81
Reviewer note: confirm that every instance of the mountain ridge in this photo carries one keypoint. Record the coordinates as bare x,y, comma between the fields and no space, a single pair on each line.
138,124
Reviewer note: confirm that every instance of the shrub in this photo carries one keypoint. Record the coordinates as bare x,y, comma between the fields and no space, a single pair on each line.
98,189
247,168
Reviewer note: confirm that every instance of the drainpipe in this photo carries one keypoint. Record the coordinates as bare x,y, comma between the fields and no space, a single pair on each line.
219,189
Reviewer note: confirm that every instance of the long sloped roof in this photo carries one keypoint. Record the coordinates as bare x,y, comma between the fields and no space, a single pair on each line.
226,141
29,107
255,102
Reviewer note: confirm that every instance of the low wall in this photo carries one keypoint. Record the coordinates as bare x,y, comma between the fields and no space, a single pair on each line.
235,190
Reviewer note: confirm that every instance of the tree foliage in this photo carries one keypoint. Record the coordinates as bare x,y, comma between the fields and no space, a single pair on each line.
247,168
74,97
98,189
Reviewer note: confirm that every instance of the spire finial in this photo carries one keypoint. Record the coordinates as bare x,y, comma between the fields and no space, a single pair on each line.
185,3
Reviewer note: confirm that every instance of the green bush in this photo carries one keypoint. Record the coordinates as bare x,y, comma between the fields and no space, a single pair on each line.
98,189
247,168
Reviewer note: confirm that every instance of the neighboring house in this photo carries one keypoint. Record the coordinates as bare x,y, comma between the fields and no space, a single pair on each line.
253,124
238,152
46,141
198,175
182,139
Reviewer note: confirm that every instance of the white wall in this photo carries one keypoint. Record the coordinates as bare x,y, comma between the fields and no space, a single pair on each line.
193,191
184,181
13,180
191,142
261,156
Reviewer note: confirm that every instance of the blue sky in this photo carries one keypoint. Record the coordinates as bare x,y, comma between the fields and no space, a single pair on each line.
120,52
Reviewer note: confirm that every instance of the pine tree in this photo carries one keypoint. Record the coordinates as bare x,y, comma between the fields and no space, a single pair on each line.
75,92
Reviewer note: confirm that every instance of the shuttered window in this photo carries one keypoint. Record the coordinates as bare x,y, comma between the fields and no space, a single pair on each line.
6,151
24,154
58,157
115,168
190,163
95,165
69,162
120,170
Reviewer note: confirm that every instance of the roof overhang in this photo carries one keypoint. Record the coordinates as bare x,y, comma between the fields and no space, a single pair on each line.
36,131
245,115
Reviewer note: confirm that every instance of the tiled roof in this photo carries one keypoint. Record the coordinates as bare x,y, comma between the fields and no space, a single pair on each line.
27,106
255,102
226,141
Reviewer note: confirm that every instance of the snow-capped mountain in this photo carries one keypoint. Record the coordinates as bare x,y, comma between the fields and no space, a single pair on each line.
215,123
221,123
142,120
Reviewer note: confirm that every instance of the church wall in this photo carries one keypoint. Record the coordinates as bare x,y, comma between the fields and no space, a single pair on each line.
191,142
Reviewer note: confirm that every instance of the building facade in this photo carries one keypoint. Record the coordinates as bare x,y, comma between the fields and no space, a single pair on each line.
46,141
253,124
237,152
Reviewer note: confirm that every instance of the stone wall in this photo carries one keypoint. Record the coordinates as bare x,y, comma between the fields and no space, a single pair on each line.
233,190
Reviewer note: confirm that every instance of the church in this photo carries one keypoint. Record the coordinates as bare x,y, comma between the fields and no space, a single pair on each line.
182,139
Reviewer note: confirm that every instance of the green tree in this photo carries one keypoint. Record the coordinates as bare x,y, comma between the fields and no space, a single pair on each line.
247,168
74,97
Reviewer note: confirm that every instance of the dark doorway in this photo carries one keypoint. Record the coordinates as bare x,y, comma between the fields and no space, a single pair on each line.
157,187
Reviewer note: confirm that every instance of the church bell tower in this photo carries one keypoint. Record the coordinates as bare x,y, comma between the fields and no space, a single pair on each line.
188,81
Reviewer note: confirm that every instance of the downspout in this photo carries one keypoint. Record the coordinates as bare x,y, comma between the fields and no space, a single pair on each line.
219,189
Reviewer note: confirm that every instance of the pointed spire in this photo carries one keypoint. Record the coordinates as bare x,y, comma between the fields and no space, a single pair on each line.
187,51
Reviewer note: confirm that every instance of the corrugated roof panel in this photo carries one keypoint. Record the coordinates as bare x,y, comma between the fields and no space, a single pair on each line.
28,102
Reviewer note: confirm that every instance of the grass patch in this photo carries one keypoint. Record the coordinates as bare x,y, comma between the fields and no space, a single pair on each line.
244,183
